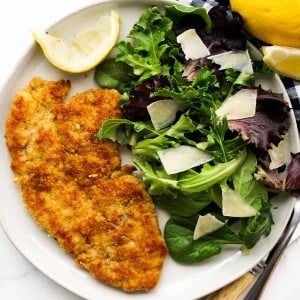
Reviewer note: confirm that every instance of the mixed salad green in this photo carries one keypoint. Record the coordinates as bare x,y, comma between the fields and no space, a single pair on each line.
195,160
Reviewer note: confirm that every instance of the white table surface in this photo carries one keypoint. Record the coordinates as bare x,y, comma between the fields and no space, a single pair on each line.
19,280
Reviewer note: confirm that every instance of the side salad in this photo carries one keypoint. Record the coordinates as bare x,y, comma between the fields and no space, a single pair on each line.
210,143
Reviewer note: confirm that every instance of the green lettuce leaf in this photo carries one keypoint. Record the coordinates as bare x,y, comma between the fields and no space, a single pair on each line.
171,137
133,131
251,190
148,46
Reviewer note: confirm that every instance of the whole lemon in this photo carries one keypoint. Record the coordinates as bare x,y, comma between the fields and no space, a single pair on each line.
275,22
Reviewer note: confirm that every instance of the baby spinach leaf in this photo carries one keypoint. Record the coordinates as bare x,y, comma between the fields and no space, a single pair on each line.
183,248
183,204
179,238
114,75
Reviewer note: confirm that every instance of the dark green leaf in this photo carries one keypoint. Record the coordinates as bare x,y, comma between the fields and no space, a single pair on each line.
260,67
114,75
182,204
176,12
256,227
183,248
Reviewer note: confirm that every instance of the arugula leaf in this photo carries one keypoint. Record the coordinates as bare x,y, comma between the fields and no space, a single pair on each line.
221,147
210,175
255,227
159,182
147,141
148,46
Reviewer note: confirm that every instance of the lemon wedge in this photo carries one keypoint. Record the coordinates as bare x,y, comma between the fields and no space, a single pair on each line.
86,49
283,60
274,22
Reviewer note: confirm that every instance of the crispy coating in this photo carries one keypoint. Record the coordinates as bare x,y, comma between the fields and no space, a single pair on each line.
76,189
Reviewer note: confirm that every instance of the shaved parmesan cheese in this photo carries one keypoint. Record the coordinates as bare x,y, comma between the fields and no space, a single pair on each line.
240,105
236,60
233,205
192,45
278,155
182,158
206,224
163,112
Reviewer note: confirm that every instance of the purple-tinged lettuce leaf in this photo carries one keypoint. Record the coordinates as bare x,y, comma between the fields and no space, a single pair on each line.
136,108
263,173
268,124
270,178
226,34
227,30
292,180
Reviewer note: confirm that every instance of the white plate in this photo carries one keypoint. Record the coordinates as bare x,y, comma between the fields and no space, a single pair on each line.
177,281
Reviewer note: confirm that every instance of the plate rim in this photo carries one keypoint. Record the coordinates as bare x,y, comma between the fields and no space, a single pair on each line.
27,52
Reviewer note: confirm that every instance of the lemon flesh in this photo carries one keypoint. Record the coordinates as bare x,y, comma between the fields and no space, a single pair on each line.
86,49
284,60
276,22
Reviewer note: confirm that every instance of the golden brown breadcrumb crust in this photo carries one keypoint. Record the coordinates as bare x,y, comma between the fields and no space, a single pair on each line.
75,188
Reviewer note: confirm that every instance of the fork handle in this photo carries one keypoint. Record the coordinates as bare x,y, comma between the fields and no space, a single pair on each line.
233,290
273,258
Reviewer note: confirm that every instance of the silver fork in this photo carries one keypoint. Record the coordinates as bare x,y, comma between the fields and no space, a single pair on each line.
265,268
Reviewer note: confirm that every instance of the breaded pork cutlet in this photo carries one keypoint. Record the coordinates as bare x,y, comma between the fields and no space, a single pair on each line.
75,188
